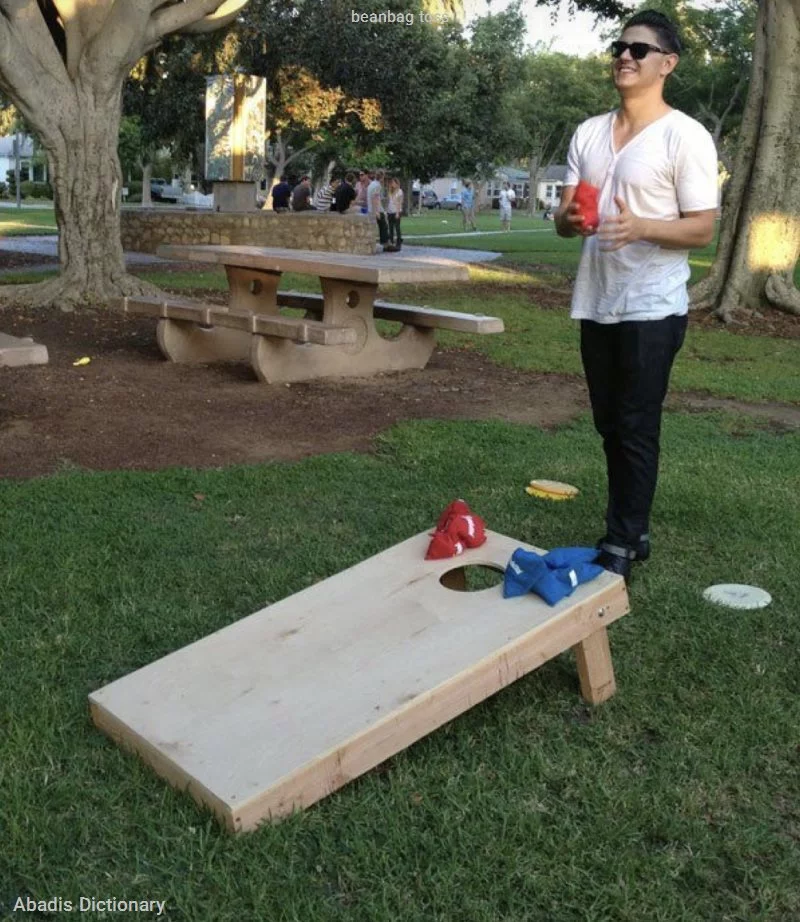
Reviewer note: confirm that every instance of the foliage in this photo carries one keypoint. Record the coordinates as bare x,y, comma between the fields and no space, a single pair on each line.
485,123
711,82
559,91
130,144
9,117
165,94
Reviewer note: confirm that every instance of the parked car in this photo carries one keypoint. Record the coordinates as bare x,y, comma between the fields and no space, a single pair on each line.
429,199
161,190
451,202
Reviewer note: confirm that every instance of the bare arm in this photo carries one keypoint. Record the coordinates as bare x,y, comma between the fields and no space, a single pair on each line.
692,230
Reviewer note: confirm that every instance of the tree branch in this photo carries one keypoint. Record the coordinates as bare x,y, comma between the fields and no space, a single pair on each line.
73,34
193,15
734,97
32,72
27,31
81,23
218,20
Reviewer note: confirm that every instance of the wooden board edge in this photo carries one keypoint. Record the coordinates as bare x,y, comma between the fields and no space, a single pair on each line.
131,741
437,706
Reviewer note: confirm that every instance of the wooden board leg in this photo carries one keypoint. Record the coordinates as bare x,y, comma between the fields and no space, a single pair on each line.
595,669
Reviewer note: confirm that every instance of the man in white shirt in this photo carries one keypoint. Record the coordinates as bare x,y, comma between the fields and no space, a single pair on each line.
507,197
375,205
656,171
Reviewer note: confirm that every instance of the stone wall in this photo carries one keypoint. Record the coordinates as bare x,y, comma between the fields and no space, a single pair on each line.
145,229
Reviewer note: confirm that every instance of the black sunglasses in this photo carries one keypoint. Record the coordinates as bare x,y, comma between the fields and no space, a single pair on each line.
638,50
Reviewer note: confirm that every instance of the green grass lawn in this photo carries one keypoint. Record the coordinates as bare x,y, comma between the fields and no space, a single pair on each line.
677,800
23,222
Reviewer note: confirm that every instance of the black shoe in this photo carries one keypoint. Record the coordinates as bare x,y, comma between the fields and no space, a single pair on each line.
615,564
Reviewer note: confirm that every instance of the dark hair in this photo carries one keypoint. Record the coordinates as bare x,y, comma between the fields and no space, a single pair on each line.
665,29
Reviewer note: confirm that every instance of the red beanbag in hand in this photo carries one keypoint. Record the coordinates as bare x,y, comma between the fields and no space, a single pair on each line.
586,195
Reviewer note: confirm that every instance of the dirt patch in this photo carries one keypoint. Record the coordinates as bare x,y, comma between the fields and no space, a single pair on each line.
766,322
129,408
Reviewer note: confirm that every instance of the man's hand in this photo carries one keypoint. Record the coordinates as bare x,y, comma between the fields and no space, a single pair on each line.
616,232
573,220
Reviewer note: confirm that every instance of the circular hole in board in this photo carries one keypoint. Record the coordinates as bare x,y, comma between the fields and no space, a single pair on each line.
472,578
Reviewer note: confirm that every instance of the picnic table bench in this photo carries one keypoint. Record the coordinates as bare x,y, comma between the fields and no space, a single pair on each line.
336,338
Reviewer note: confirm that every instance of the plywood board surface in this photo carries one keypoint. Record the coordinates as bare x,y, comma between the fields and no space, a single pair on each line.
280,708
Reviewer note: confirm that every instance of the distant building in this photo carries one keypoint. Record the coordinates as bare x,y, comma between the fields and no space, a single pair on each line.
550,184
32,169
548,187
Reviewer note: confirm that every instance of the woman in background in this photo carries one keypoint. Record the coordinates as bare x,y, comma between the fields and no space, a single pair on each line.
394,211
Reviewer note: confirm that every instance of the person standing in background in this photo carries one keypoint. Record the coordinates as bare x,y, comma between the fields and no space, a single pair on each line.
301,195
345,194
323,200
361,191
507,196
468,206
394,212
375,206
280,195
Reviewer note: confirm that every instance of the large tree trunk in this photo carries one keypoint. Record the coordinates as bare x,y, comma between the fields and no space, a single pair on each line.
62,64
759,240
87,189
86,183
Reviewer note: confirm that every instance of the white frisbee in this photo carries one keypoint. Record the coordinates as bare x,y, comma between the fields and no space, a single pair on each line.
735,595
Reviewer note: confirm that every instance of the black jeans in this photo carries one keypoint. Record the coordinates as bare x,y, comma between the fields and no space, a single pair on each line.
627,369
383,231
394,229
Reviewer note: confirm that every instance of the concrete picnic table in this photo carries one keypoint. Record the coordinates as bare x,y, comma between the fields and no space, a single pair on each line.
336,338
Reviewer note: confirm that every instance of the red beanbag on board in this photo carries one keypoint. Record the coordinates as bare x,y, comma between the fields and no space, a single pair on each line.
458,528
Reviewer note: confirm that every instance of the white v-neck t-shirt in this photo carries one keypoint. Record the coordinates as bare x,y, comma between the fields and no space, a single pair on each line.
669,167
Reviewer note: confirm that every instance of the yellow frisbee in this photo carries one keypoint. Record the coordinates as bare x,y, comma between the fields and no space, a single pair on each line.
551,489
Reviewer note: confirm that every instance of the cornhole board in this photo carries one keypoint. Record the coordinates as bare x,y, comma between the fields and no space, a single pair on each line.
283,707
